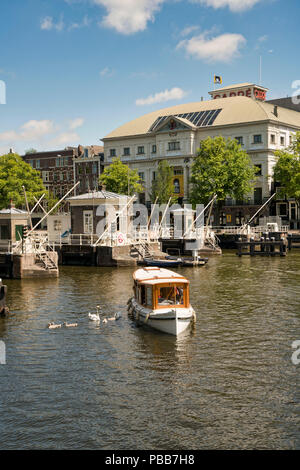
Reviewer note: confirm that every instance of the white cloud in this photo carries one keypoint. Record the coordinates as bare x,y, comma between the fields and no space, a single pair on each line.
221,48
75,123
47,24
188,30
233,5
43,134
263,38
167,95
65,138
31,130
129,16
106,72
35,129
83,24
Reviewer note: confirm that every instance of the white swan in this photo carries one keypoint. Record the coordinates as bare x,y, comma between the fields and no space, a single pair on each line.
94,317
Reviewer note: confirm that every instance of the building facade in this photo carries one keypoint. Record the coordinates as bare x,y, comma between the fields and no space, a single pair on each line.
174,134
88,166
61,169
56,169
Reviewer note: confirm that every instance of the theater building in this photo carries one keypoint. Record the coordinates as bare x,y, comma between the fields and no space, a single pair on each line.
174,134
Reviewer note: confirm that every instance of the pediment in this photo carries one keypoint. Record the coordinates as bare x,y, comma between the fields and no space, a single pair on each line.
171,124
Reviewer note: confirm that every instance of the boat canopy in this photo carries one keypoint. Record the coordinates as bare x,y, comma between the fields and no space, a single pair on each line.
155,275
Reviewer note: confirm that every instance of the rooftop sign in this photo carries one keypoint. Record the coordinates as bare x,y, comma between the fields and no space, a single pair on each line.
249,90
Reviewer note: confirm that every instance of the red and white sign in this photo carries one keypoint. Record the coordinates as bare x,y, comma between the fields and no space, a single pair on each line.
252,91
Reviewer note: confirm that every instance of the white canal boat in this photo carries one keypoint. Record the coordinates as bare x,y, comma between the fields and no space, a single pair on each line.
161,300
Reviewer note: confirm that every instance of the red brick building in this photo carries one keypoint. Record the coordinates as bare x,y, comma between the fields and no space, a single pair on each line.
61,169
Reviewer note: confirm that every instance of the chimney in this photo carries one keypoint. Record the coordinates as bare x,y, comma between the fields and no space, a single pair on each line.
276,110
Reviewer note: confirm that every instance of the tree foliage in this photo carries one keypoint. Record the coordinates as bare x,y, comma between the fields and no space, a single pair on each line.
287,170
14,174
30,151
223,168
119,178
163,185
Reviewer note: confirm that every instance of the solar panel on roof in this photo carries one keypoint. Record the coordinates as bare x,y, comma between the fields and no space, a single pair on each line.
199,118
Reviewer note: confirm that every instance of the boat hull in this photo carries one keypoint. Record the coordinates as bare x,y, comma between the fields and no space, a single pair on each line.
173,322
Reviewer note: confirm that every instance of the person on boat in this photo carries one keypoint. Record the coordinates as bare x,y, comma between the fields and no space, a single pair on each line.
179,295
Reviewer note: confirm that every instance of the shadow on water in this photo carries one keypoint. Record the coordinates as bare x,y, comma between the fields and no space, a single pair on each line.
228,383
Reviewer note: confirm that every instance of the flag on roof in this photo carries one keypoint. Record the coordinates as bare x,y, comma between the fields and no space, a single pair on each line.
218,79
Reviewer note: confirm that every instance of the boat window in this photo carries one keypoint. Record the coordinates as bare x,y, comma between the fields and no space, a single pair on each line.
142,295
173,295
149,296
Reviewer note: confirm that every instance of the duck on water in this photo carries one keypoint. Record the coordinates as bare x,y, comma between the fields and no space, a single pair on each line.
161,300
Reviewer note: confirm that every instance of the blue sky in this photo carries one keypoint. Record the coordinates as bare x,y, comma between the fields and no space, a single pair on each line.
76,69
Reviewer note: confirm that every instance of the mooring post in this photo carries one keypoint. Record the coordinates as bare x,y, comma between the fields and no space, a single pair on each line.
290,241
272,246
240,246
252,246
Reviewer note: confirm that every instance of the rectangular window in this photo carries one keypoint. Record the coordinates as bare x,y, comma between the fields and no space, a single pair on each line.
45,176
38,164
57,225
88,222
171,295
283,210
282,140
153,175
258,196
178,171
153,148
257,139
259,170
273,140
86,153
126,151
95,168
142,176
174,146
141,150
240,140
4,232
112,152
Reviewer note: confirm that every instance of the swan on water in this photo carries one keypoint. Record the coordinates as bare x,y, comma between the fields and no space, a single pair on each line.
94,317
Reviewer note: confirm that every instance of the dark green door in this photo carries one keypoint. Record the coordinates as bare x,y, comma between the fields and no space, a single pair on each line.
19,232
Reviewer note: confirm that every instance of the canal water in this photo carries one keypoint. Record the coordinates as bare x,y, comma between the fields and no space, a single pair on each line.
228,384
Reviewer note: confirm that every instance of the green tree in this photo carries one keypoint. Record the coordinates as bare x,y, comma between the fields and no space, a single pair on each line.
223,168
14,174
29,151
119,178
163,186
287,171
